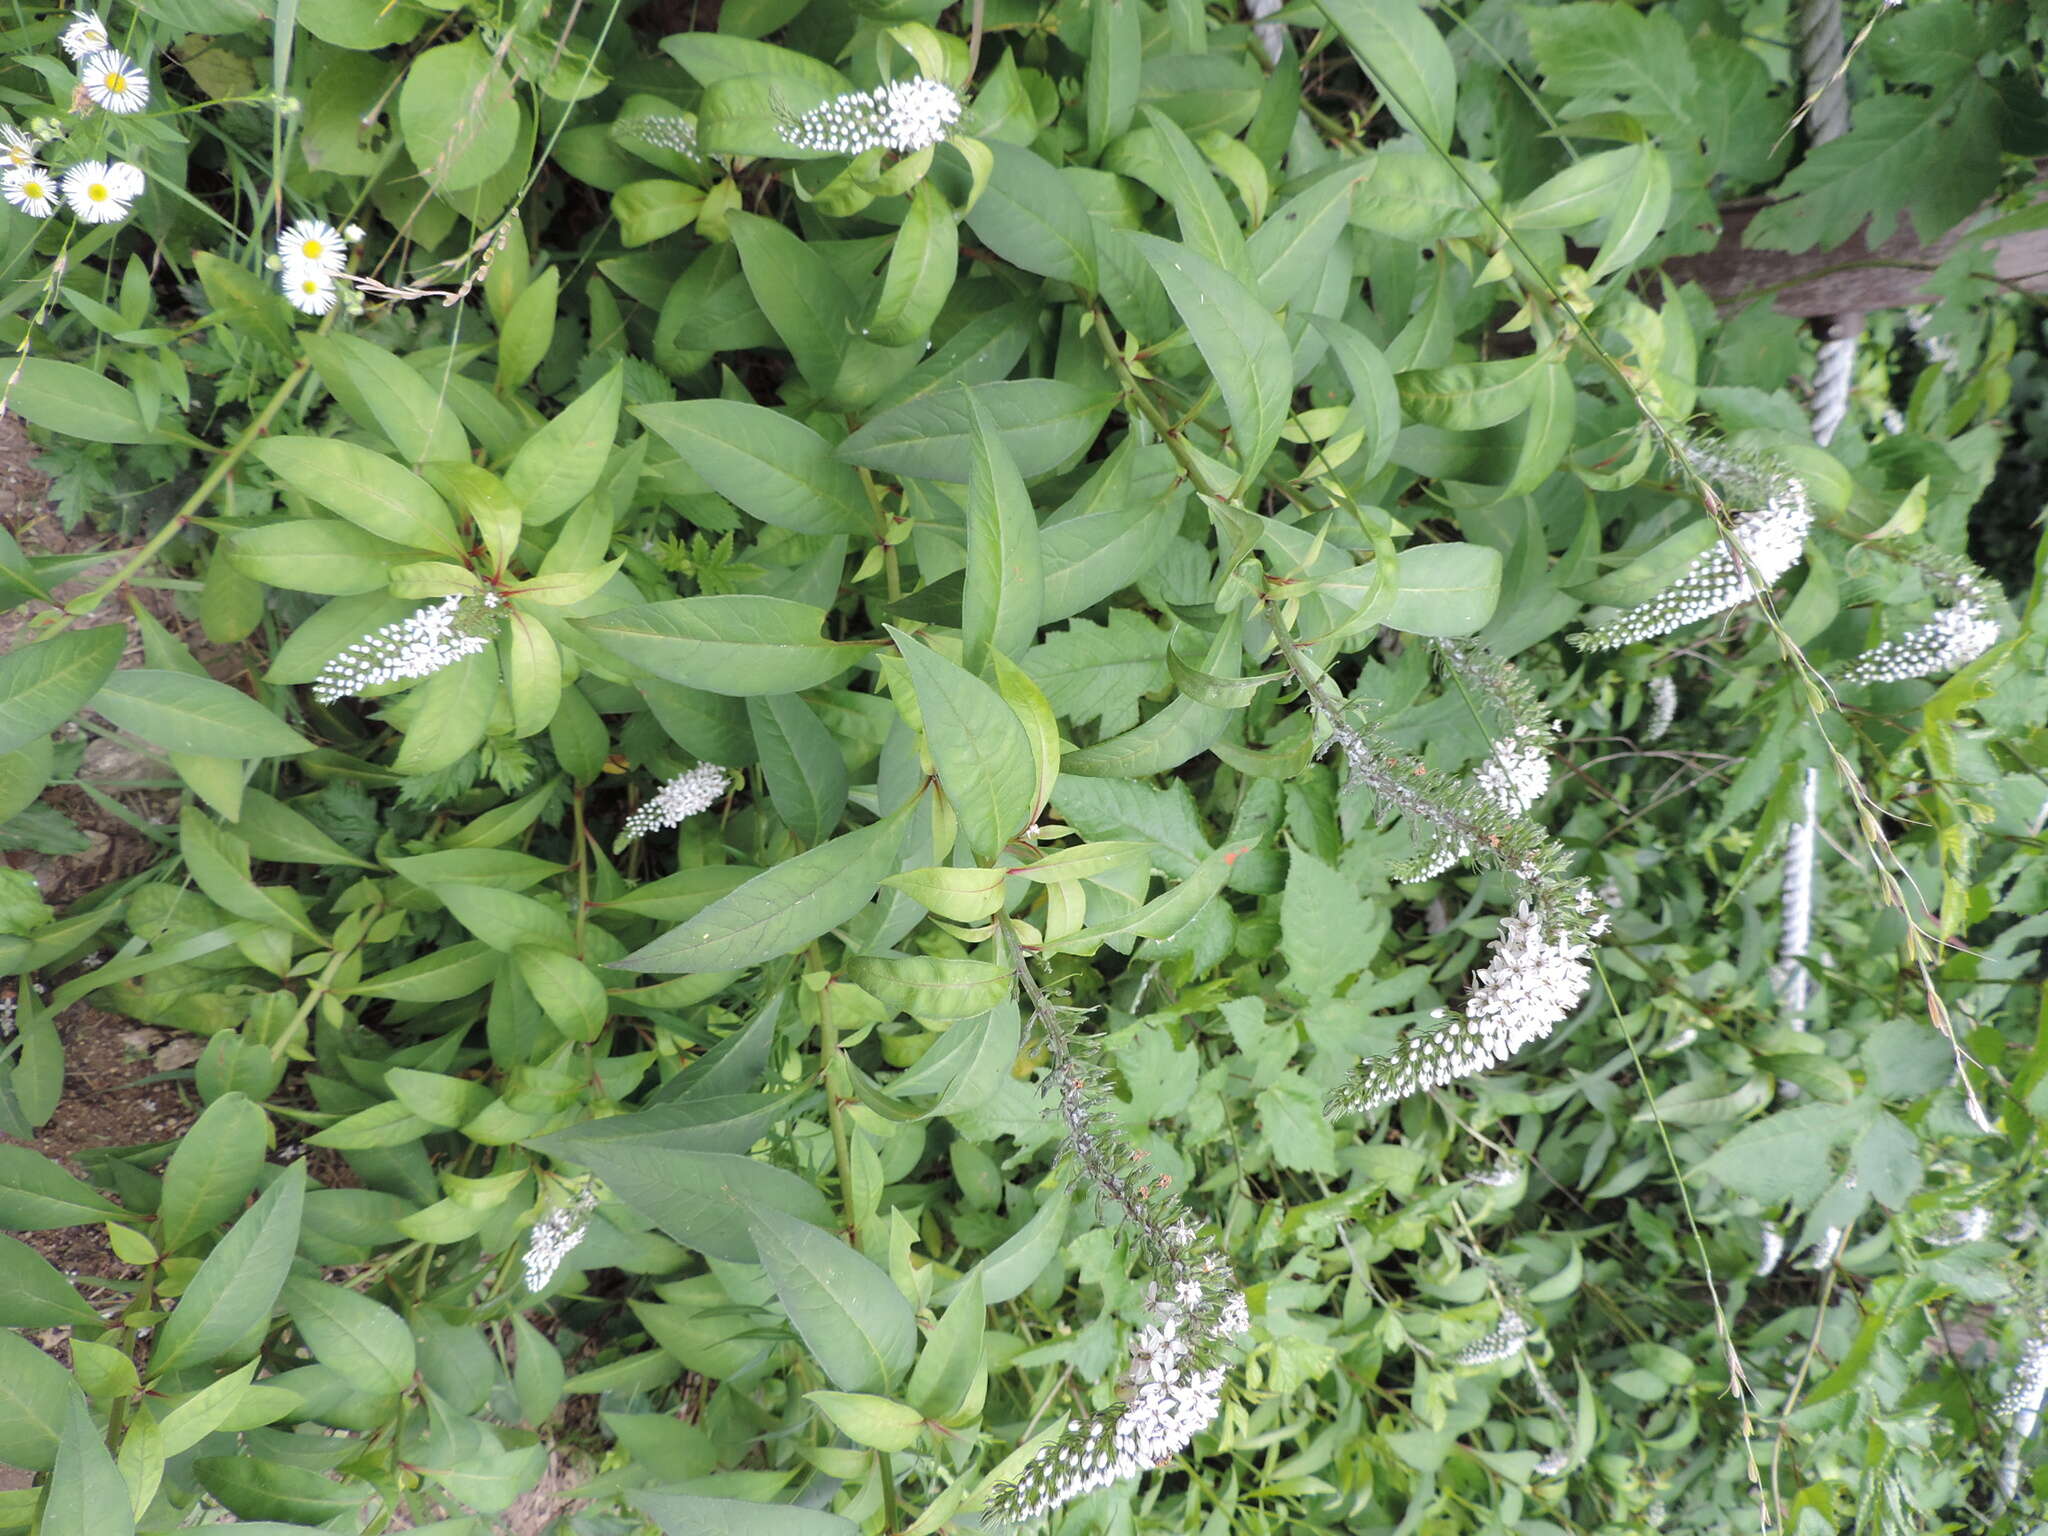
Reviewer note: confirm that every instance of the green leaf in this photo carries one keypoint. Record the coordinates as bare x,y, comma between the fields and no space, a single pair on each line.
1173,734
733,644
1238,338
1294,1125
225,1308
1582,192
457,115
684,1514
1007,1273
219,865
315,555
1030,215
802,763
846,1309
529,329
805,300
533,673
571,997
781,909
1164,158
1783,1156
437,977
436,1097
1596,50
1042,422
1466,397
1637,219
924,260
38,1196
77,402
933,987
1446,589
880,1423
261,1491
1407,60
199,1415
279,834
562,463
383,393
182,713
958,895
34,1295
1005,587
1328,932
211,1171
1097,673
952,1354
767,464
969,1064
36,1399
347,1332
45,683
24,773
377,495
978,747
704,1200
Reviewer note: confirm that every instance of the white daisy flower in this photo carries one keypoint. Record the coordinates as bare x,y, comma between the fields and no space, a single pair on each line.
30,189
86,34
310,289
17,148
314,244
100,193
114,81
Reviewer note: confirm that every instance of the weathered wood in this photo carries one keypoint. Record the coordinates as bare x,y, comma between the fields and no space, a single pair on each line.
1850,277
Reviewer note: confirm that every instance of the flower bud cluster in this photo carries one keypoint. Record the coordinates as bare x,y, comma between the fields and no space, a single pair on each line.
557,1237
1771,538
678,135
1663,707
1953,637
1171,1393
1503,1343
903,115
686,795
434,637
1536,978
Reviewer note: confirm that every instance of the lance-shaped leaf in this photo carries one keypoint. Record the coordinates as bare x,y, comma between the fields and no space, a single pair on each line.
1407,60
733,644
226,1306
767,464
182,713
42,685
978,745
781,909
848,1311
1005,578
1239,339
369,490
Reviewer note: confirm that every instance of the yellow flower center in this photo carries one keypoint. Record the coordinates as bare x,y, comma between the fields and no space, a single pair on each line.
312,250
32,190
98,192
309,285
117,83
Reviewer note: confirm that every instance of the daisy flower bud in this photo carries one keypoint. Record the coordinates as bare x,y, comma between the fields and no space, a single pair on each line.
903,115
114,82
17,148
86,34
100,193
31,189
684,796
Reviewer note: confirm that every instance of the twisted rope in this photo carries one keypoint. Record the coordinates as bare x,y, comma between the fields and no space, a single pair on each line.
1822,62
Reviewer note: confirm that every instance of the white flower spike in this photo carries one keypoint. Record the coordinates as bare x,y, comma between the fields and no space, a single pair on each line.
314,244
1952,638
100,193
30,189
1772,537
86,34
114,82
434,637
685,795
557,1237
904,115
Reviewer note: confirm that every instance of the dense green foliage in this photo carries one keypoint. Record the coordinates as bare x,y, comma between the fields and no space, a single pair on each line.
906,669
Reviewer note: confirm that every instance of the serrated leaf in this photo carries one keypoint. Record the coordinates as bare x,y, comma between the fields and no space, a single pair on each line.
1096,673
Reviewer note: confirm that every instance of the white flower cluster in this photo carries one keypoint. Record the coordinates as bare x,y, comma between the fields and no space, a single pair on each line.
1772,537
675,134
434,637
1953,637
903,115
1514,776
1170,1399
1503,1343
311,255
557,1237
1970,1226
1663,707
684,796
1532,984
97,191
2023,1399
